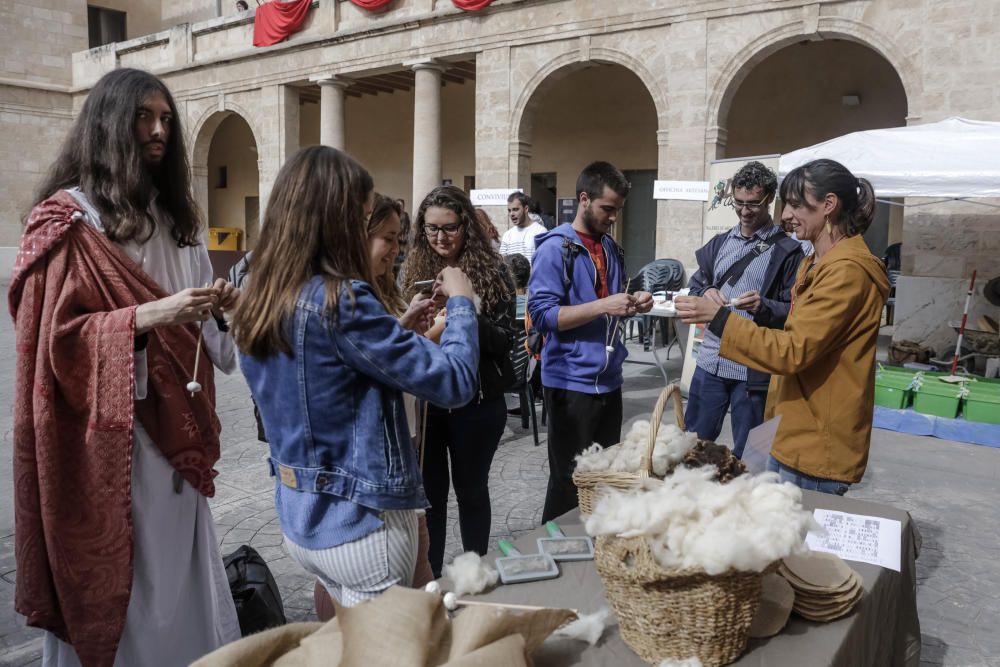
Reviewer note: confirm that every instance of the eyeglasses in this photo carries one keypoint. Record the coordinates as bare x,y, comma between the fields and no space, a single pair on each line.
752,206
449,230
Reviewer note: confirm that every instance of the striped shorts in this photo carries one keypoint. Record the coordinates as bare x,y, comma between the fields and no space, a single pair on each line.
362,569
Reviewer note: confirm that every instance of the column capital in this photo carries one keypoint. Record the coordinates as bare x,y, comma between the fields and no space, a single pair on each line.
716,135
433,65
520,148
662,137
335,80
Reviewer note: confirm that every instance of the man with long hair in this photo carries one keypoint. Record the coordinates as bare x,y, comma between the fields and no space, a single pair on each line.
115,430
577,298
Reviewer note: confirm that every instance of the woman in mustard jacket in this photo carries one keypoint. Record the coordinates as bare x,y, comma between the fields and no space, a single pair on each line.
823,362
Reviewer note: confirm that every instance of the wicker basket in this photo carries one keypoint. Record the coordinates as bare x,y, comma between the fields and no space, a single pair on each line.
676,613
587,483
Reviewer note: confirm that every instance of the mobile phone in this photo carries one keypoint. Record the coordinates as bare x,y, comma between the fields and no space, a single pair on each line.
424,286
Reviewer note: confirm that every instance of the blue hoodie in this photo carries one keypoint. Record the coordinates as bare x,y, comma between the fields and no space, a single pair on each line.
576,359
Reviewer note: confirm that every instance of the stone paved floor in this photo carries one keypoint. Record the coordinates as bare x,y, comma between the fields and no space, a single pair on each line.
949,488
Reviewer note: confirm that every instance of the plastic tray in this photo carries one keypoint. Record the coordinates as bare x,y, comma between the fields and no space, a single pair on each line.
940,399
983,403
892,389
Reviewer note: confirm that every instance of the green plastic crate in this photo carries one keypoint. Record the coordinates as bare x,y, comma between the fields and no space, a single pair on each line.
983,403
892,390
940,399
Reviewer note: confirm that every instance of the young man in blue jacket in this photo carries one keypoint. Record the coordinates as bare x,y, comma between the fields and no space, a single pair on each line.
577,299
752,268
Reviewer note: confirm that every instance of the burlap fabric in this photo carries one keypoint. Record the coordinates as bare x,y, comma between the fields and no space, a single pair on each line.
403,628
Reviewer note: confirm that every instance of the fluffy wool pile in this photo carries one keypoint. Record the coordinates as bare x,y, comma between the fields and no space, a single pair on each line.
691,521
470,574
671,446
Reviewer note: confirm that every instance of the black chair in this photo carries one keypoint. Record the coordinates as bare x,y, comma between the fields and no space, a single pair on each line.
893,263
520,357
657,276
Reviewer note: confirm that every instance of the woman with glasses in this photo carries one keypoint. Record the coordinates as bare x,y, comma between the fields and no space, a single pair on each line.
824,359
328,362
447,234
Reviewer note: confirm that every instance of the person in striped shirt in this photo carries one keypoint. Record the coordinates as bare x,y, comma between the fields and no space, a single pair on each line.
520,239
751,269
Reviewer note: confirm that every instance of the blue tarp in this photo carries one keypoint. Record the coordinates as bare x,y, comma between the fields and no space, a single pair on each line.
908,421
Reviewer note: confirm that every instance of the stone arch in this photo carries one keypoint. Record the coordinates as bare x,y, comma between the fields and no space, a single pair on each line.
564,65
828,27
206,125
203,133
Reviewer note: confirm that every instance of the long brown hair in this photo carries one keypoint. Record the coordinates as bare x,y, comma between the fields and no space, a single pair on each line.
483,218
314,225
102,157
477,258
385,285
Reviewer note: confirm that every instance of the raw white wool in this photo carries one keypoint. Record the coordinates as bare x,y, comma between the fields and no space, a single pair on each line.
526,565
469,574
691,521
693,661
588,627
671,446
568,546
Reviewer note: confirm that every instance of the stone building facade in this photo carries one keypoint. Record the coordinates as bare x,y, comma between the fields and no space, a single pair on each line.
526,92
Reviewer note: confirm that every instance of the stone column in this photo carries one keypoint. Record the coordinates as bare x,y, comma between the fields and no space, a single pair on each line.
519,169
426,130
494,143
279,124
331,111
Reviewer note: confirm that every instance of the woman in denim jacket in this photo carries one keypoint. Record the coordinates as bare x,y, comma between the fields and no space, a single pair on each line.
327,365
447,233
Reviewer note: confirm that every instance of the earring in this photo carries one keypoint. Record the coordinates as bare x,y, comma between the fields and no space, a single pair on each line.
826,225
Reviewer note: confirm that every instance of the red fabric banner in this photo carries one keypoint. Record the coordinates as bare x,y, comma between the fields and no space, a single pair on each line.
275,21
471,5
371,5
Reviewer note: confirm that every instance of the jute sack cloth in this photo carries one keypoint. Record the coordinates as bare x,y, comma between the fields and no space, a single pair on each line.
404,628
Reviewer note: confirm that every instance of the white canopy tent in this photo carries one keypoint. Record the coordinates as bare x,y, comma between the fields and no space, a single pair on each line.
954,158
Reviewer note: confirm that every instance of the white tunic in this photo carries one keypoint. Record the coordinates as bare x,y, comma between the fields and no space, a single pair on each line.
180,607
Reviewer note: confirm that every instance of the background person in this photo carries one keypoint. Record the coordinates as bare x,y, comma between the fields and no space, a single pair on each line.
489,228
520,238
520,271
448,234
577,299
756,262
328,364
825,356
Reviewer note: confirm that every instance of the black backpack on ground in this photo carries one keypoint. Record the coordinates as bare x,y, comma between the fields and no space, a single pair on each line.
258,601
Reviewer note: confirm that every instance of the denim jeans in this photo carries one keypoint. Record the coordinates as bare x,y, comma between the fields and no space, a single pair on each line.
711,396
804,481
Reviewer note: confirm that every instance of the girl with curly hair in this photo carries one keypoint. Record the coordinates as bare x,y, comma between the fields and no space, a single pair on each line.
446,233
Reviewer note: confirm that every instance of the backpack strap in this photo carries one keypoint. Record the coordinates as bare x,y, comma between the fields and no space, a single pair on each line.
569,252
735,272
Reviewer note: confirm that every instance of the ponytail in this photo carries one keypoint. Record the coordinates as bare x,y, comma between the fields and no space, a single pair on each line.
822,177
858,220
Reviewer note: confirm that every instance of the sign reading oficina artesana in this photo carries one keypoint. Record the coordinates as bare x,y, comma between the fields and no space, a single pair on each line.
492,196
688,190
